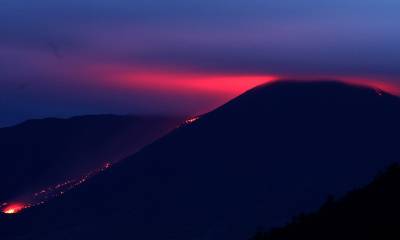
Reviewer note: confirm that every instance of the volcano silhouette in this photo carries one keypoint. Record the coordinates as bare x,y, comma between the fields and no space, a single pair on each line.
262,158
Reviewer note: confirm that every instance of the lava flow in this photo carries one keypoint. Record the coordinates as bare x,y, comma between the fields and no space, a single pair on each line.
46,194
13,208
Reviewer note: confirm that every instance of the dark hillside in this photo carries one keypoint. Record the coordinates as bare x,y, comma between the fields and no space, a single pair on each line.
368,213
266,156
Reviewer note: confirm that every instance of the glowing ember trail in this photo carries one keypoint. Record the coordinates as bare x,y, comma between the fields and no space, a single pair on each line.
44,195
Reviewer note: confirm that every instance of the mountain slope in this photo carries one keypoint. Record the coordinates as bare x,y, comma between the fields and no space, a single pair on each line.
37,153
371,212
259,160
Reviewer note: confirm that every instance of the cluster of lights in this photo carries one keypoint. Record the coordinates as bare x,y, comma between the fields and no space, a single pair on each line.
51,192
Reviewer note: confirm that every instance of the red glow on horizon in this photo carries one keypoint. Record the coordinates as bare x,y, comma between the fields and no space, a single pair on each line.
208,84
13,208
226,85
375,84
174,81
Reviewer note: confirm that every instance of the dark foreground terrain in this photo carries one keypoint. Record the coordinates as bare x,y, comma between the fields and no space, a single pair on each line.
261,159
371,212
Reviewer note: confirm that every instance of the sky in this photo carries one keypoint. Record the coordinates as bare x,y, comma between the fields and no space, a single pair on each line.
73,57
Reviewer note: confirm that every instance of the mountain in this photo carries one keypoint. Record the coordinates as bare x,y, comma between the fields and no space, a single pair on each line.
371,212
44,152
262,158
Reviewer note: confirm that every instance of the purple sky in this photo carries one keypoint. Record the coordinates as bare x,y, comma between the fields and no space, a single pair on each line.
72,57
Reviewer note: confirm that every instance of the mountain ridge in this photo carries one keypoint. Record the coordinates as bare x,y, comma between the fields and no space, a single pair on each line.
260,159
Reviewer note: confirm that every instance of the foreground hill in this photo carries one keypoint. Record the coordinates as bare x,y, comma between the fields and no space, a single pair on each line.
368,213
266,156
42,152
